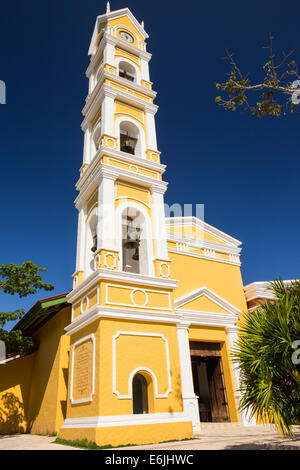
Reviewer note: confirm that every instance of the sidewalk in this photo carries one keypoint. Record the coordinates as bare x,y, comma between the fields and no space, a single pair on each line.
229,436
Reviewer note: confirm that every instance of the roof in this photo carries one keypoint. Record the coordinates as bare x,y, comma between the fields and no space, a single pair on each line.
115,14
261,290
41,312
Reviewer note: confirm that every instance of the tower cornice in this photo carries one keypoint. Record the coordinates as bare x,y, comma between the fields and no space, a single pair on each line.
107,90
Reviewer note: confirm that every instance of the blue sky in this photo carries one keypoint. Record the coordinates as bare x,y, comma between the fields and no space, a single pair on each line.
245,170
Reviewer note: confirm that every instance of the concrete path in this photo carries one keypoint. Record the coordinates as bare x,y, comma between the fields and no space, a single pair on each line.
30,442
213,436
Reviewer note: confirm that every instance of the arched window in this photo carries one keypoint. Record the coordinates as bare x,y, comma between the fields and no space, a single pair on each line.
140,394
127,71
130,139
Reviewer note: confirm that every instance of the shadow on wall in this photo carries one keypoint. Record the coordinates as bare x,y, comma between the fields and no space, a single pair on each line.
12,416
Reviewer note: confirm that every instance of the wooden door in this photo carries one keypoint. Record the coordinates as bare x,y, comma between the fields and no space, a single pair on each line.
219,406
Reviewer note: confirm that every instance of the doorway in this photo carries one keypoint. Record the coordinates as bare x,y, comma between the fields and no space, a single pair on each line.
208,380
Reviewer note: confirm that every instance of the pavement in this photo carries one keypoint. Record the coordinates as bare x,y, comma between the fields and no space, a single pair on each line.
213,436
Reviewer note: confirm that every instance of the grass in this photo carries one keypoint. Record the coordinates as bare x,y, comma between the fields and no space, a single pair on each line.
90,445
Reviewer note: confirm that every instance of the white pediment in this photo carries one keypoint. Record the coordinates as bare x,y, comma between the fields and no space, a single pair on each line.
185,302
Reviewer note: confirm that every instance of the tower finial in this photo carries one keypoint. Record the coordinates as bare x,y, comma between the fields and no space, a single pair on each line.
142,24
107,7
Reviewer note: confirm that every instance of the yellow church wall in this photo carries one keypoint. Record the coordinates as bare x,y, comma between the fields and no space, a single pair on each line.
143,434
48,393
203,304
133,297
127,55
15,382
219,335
128,191
223,279
135,113
141,351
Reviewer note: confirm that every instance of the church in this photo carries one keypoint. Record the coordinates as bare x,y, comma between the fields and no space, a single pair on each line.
139,350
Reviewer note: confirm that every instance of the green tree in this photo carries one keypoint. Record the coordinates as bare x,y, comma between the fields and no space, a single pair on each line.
277,92
268,356
21,280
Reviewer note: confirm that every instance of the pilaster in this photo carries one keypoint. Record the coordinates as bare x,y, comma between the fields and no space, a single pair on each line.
190,400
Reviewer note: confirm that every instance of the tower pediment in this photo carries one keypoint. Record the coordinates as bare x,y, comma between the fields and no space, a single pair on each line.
205,300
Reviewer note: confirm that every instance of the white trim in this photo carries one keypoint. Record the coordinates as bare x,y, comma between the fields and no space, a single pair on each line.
90,398
198,317
160,270
129,396
120,276
209,294
181,221
261,290
134,304
125,420
105,262
97,312
197,255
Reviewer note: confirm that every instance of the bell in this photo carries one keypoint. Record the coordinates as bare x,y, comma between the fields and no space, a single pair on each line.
133,237
136,255
94,247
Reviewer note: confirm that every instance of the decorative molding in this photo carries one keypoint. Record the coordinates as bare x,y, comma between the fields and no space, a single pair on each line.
96,312
181,221
126,420
129,396
114,258
168,270
209,294
134,304
120,276
197,255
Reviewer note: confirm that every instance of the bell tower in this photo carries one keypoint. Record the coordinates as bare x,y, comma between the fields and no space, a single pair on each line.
123,331
121,192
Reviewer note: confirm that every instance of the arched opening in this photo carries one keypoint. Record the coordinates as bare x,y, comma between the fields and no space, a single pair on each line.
127,71
95,142
140,394
130,138
91,243
135,258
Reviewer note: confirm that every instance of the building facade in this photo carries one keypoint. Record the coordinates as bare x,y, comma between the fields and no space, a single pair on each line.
141,345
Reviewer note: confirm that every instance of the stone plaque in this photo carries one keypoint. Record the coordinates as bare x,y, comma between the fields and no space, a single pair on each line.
83,371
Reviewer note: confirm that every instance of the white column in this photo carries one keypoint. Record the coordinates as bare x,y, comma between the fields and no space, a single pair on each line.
107,115
106,212
109,53
81,237
151,131
232,334
91,83
87,146
145,69
159,228
190,400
